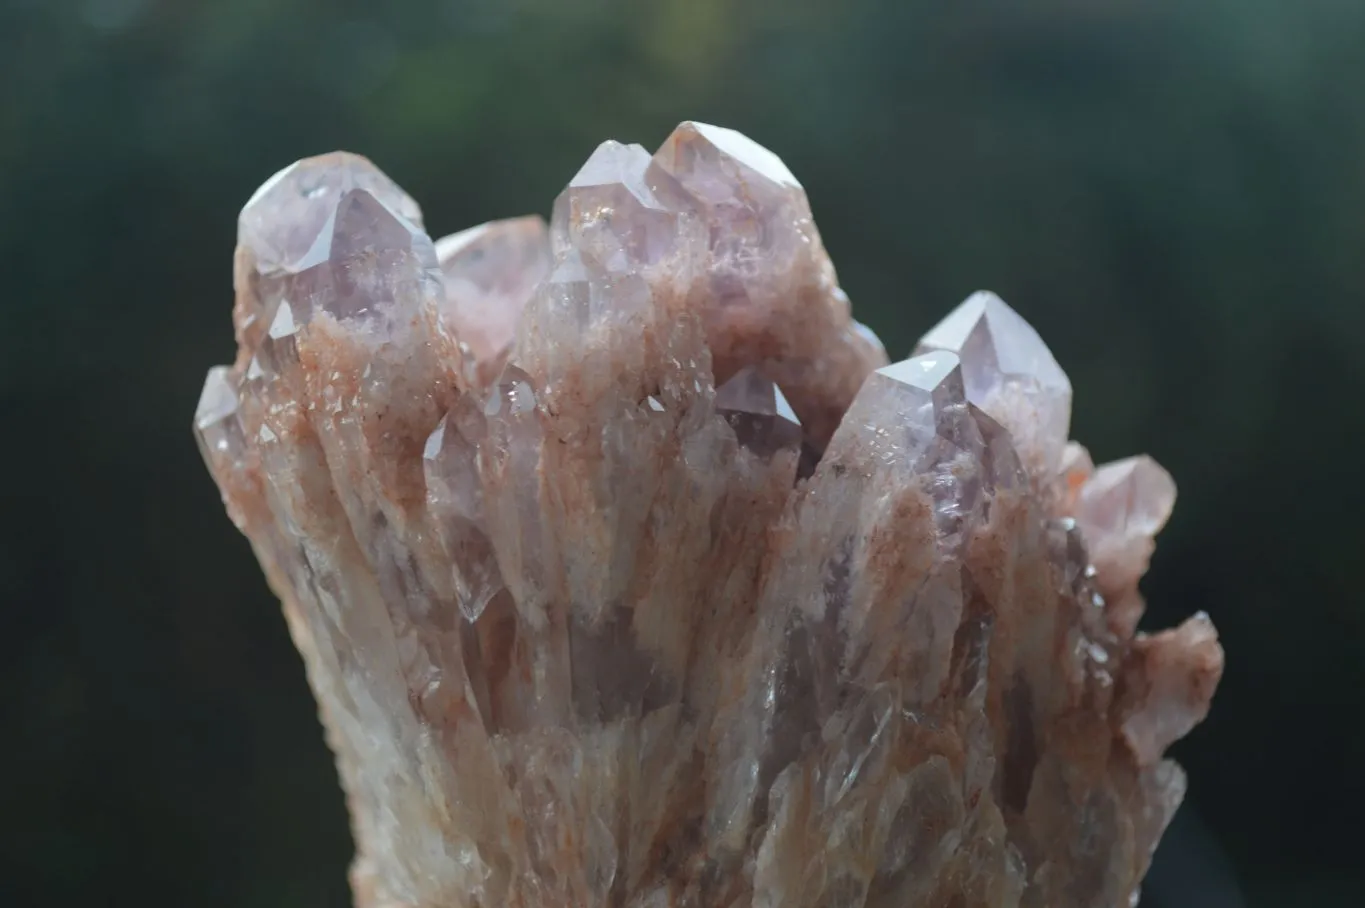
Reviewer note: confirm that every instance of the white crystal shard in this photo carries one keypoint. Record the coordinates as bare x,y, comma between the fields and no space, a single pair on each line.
587,629
1010,373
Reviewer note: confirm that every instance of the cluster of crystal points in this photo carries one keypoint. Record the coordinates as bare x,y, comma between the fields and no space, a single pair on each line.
627,572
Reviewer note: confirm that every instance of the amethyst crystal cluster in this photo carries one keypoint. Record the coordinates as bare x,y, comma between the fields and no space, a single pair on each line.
627,572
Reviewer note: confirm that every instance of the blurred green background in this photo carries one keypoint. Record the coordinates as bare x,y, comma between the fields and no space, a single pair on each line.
1172,192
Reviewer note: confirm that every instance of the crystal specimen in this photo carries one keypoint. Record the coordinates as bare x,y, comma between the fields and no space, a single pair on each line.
627,572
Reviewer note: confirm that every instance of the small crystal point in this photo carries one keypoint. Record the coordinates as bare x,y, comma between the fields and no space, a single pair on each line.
922,392
761,417
215,419
1134,495
218,400
363,225
580,293
330,234
909,410
286,216
455,503
490,273
747,194
513,396
372,263
913,418
697,147
767,291
1119,509
617,212
1010,373
277,350
935,373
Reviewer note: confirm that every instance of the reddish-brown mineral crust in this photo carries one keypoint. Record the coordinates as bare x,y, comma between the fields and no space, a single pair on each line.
1169,679
578,633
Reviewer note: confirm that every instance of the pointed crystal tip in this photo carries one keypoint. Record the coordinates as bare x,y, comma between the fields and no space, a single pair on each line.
611,163
1009,373
925,372
284,217
619,209
741,149
1120,509
995,343
216,425
759,413
218,400
906,404
1131,497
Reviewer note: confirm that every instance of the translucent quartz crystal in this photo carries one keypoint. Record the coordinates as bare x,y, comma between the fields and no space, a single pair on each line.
627,572
490,272
1009,373
760,416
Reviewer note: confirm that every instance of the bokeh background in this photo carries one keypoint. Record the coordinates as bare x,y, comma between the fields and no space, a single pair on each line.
1173,192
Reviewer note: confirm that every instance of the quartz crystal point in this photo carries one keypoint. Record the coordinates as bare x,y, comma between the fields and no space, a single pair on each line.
626,572
760,416
766,289
1009,373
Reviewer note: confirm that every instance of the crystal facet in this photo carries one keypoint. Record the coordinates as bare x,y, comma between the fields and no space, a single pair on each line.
283,222
596,617
215,419
619,211
1120,509
1010,373
766,290
490,272
762,419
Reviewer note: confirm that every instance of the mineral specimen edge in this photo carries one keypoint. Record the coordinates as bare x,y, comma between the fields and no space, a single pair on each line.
626,570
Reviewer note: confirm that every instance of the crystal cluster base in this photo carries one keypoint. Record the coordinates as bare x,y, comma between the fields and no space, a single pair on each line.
627,572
